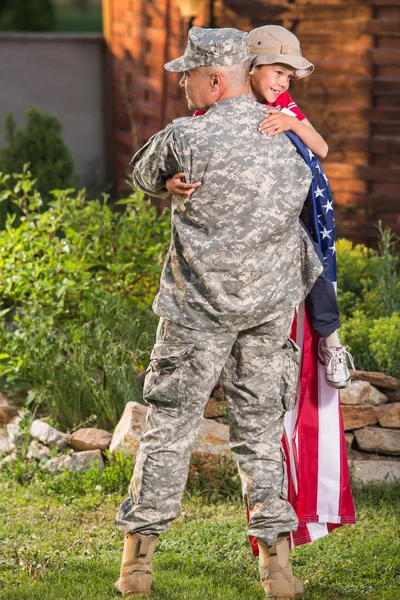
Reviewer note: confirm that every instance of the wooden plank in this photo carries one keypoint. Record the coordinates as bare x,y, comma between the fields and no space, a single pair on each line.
333,67
331,13
346,185
384,143
366,201
378,174
347,156
384,188
346,27
383,41
385,56
385,86
336,40
314,3
383,2
388,159
383,27
386,129
386,101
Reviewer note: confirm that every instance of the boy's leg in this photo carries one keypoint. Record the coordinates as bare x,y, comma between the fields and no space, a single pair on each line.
323,306
325,317
184,367
260,380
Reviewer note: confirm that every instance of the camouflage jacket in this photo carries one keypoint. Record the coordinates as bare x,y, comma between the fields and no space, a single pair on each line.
238,256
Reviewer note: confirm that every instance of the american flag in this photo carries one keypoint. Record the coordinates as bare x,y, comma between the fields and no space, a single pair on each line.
313,441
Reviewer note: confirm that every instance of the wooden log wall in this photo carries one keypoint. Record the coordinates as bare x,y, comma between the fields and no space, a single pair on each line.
352,98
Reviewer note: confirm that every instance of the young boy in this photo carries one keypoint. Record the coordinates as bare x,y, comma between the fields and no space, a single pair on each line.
277,60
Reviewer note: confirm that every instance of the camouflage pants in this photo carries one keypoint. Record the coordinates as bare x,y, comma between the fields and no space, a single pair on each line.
258,369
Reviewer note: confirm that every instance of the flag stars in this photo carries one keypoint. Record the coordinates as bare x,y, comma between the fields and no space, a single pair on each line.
310,154
318,192
333,248
328,206
325,177
325,233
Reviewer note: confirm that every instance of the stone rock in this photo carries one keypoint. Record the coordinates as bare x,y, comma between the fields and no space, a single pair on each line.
378,379
355,417
215,408
389,415
13,398
7,411
378,439
128,432
362,392
213,438
37,450
15,436
48,435
90,438
375,470
375,397
393,395
356,393
349,437
8,459
78,461
4,441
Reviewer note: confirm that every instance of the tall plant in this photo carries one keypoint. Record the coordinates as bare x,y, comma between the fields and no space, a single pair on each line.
40,144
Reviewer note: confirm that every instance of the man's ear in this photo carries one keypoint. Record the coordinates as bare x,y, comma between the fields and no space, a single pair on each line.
251,72
215,81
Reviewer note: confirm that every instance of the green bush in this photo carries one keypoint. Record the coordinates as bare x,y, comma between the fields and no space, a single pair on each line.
369,299
20,15
355,333
385,344
77,282
40,145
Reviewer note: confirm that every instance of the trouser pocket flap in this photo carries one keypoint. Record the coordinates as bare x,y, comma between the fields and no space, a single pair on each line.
290,373
163,381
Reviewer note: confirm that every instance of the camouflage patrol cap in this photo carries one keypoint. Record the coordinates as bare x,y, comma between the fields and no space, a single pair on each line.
212,48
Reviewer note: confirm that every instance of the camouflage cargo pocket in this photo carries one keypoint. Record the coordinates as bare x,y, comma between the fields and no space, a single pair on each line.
163,384
290,374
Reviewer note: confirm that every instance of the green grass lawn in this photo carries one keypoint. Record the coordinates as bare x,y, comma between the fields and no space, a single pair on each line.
57,542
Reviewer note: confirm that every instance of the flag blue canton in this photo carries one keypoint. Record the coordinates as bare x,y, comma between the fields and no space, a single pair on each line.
321,215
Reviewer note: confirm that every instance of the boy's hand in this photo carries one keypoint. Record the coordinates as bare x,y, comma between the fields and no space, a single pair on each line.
276,122
177,187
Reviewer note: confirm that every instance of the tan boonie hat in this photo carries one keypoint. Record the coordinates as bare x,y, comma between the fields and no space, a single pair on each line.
272,44
212,48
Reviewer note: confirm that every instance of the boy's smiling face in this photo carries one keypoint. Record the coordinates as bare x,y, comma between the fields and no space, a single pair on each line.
269,81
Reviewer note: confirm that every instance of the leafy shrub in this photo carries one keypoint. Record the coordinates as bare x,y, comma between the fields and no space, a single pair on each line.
385,344
40,144
355,333
19,15
369,299
77,282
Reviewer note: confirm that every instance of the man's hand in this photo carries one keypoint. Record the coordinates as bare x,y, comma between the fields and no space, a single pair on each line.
276,122
176,186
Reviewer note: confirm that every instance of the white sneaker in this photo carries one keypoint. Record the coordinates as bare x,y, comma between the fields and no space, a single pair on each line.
337,374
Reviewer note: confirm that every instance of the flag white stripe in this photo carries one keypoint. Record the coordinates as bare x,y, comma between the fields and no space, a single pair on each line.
328,450
317,530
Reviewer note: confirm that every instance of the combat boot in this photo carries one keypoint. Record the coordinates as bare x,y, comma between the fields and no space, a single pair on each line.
136,568
276,571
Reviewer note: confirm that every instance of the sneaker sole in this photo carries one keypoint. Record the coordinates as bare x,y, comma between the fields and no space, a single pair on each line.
338,386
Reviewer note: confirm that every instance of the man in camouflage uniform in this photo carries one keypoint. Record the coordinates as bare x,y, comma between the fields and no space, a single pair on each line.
238,264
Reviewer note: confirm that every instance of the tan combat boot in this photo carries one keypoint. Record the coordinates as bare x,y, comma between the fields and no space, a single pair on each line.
136,567
276,571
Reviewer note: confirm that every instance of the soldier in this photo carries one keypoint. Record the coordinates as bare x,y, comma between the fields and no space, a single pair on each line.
238,264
